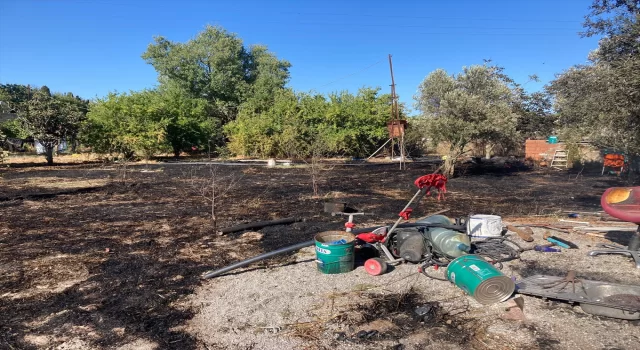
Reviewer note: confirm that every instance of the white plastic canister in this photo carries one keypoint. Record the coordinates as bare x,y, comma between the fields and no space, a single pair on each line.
481,225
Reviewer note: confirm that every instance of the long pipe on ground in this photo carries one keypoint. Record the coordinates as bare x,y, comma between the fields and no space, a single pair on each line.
258,225
298,246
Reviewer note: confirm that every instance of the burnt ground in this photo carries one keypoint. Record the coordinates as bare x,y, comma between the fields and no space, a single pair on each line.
105,253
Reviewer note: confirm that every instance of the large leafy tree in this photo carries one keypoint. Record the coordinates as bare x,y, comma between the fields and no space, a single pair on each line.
13,98
601,100
127,124
187,120
50,119
148,122
476,105
297,124
216,66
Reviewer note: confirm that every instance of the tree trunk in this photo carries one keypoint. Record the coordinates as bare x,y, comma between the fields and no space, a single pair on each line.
49,154
449,165
74,144
450,162
176,151
487,149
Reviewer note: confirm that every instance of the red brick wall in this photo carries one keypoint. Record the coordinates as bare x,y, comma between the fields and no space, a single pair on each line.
541,149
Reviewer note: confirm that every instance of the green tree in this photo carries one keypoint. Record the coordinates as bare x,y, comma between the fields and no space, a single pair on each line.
187,120
473,106
535,115
13,100
217,67
601,100
13,97
49,119
348,125
148,122
127,123
80,108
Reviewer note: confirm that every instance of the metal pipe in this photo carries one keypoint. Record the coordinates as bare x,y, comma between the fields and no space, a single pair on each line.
378,150
271,254
298,246
419,193
257,258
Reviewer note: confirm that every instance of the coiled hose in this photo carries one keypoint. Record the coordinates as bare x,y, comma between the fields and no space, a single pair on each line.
494,248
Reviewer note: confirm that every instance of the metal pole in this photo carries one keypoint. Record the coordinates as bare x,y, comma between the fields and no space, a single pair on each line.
378,150
420,193
394,104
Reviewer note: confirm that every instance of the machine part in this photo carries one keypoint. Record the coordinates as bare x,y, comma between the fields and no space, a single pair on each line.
598,298
570,278
480,279
616,249
335,252
410,245
435,219
392,259
375,266
349,225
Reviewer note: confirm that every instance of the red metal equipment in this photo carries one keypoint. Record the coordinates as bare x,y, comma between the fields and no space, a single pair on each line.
622,203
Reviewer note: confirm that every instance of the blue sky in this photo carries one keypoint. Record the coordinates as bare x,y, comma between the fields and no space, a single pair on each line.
93,47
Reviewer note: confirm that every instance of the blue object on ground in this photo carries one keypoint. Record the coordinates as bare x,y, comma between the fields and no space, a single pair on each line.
545,249
342,241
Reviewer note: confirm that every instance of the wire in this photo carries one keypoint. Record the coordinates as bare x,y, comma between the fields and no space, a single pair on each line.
496,249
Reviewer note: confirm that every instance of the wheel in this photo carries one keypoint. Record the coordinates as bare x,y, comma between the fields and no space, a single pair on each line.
375,266
634,242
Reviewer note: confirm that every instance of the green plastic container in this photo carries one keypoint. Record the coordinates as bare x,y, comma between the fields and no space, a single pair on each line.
480,279
553,139
335,257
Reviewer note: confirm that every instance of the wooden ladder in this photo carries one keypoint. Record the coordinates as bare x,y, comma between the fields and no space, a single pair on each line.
560,159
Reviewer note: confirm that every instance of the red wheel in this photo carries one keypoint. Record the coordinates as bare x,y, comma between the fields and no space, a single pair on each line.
375,266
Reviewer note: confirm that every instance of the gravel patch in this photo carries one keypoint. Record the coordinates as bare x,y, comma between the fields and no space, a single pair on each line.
294,306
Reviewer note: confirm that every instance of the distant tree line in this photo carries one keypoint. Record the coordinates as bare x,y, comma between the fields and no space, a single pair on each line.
218,95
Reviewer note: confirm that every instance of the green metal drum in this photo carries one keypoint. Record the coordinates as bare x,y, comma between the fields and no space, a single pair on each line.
480,279
334,251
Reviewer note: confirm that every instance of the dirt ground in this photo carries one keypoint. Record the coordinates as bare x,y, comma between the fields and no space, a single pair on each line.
95,256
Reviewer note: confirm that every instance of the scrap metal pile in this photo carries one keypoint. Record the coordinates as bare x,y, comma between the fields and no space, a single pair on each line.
472,251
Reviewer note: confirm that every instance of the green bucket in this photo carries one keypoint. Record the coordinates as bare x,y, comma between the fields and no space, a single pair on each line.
334,251
480,279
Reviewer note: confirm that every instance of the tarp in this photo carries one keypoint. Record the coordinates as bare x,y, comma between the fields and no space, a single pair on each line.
62,146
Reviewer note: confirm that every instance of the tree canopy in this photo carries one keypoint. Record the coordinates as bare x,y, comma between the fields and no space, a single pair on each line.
148,122
601,100
344,123
51,118
217,67
476,105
